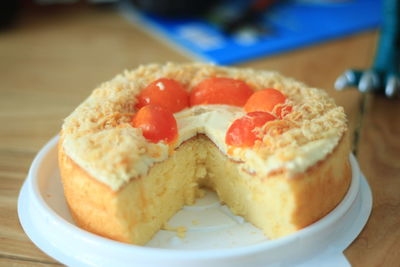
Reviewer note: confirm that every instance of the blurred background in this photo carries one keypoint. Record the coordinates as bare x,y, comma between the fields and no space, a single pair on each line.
58,51
231,31
54,53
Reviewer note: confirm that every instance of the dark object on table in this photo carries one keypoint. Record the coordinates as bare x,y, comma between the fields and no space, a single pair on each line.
231,18
383,77
8,13
175,8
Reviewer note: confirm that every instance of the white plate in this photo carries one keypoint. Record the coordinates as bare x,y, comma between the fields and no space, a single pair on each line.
215,237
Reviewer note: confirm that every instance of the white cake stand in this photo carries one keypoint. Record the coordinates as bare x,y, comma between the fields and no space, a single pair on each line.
214,237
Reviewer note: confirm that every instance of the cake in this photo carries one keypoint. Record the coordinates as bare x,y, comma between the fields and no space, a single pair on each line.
124,184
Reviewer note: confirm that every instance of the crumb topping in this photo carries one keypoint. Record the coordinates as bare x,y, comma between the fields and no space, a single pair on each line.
98,134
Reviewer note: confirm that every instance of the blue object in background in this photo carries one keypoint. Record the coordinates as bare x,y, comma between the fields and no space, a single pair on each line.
292,24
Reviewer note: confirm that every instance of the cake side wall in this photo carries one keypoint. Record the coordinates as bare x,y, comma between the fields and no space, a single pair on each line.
323,186
93,205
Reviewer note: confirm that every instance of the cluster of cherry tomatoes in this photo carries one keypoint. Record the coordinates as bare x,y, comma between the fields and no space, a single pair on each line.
163,97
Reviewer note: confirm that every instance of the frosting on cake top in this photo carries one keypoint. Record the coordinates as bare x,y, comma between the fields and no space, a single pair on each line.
99,136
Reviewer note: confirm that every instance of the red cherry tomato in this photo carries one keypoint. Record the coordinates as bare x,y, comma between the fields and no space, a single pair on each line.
264,100
220,91
157,124
241,132
164,92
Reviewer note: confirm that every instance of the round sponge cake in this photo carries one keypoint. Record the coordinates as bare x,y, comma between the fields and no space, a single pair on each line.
121,186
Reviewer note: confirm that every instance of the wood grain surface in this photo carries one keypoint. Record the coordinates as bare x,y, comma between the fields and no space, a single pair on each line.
55,55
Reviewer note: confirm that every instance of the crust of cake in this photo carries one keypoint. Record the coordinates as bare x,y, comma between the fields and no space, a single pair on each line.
279,205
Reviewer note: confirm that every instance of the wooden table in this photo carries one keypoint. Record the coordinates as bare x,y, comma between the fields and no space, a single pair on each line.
54,56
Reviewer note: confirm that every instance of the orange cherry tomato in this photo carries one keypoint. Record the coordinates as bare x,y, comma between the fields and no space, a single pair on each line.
164,92
264,100
157,124
218,90
241,132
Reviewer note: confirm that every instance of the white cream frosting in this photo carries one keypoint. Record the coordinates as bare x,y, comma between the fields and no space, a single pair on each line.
214,121
307,156
211,120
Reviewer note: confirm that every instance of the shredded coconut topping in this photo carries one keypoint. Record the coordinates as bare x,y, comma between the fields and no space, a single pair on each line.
99,137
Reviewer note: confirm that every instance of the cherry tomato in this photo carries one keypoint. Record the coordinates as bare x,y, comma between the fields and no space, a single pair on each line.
264,100
157,124
164,92
218,90
241,132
